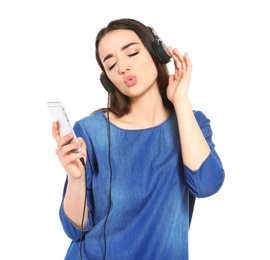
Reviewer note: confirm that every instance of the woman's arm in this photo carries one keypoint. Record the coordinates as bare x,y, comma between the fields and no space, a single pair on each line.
193,144
72,164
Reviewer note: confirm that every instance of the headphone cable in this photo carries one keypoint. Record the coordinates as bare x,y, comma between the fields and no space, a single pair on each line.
110,188
84,206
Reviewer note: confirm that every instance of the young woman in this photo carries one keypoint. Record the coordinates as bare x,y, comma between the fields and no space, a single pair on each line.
130,192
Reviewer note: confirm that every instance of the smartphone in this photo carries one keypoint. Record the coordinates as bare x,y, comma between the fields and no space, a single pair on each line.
59,115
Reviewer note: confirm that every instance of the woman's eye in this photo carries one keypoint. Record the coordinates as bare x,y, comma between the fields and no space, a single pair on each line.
133,54
129,55
111,67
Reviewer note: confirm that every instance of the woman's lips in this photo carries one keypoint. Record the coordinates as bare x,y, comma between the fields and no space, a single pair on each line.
130,81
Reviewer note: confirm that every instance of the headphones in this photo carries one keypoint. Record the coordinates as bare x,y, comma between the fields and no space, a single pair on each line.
160,50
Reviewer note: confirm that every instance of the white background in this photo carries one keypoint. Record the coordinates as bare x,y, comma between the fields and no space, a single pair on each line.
47,53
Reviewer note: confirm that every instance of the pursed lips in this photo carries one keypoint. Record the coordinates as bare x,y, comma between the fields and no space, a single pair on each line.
130,80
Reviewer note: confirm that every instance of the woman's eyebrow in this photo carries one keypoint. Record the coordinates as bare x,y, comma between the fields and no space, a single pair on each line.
122,49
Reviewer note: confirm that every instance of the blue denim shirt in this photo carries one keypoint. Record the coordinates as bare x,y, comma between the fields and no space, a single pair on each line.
152,191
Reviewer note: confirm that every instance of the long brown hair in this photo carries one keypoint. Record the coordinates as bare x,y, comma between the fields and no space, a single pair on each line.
119,103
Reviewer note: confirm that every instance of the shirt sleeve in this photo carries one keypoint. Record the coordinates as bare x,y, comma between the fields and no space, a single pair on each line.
208,179
70,229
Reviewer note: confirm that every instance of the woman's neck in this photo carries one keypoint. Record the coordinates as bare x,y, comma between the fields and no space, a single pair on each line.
144,113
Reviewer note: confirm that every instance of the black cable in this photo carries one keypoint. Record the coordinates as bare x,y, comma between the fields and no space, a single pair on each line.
110,188
84,205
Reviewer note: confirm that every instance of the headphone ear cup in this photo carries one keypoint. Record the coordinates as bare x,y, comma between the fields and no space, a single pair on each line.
106,83
159,48
161,52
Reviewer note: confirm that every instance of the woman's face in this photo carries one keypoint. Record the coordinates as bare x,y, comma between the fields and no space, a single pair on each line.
127,62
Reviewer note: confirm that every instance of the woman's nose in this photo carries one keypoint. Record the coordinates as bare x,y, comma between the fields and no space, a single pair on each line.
123,66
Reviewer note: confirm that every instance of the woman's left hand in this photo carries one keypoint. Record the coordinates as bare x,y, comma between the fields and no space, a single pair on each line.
179,82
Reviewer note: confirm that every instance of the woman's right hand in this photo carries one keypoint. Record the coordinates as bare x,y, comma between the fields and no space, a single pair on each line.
66,155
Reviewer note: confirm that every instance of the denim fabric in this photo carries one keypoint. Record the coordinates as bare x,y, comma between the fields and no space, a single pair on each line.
150,193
